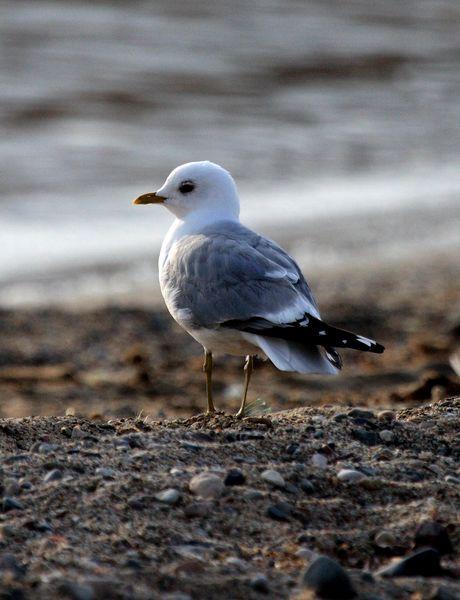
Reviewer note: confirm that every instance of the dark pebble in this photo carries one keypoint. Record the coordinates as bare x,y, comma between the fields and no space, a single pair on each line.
424,563
234,477
443,593
40,526
259,583
9,563
340,417
369,438
328,579
361,413
434,535
281,511
307,486
11,504
292,449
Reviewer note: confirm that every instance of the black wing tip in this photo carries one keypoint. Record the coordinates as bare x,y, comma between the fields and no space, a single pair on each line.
378,348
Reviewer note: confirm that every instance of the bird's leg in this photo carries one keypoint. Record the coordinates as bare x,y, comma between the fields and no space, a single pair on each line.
248,369
207,368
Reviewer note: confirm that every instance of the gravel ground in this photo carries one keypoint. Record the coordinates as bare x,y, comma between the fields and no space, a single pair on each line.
214,507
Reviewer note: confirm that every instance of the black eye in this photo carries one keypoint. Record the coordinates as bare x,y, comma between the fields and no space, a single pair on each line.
186,187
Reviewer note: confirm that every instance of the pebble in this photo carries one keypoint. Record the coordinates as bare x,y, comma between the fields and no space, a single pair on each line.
274,478
251,494
206,485
383,454
340,417
105,472
78,433
351,476
234,477
306,553
11,504
307,486
12,487
360,413
197,509
45,448
237,563
281,511
259,583
76,591
452,479
8,562
434,535
319,461
424,563
386,435
369,438
385,539
53,475
328,579
386,415
168,496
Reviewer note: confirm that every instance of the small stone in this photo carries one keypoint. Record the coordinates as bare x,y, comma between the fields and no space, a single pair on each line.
45,448
78,433
197,509
105,472
236,563
339,417
452,479
386,415
234,477
383,454
8,562
307,486
53,475
319,461
443,593
206,485
11,504
281,511
328,579
360,413
273,477
75,591
306,554
369,438
12,487
259,583
424,563
386,435
385,539
434,535
350,476
168,496
251,494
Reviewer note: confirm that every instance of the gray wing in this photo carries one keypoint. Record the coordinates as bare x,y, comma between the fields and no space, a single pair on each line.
228,272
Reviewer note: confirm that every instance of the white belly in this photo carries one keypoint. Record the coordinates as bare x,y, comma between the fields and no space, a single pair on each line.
226,342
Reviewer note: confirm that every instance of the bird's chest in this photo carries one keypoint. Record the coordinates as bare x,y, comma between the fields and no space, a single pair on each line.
180,287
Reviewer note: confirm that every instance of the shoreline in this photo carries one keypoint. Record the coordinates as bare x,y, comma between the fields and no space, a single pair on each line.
321,245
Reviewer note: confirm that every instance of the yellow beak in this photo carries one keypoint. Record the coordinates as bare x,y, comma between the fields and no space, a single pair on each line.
150,198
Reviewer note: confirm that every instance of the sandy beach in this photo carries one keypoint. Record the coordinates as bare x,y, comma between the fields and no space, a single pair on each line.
98,499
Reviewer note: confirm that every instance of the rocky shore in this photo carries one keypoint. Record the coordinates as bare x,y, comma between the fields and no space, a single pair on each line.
215,507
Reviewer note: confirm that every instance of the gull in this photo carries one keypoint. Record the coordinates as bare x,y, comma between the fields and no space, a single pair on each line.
235,291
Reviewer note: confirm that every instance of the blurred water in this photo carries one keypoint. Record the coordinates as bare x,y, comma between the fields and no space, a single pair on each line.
317,108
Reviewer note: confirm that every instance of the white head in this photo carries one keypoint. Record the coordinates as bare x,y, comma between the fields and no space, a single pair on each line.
197,187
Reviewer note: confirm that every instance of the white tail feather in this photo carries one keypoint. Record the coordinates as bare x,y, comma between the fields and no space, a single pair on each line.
293,356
